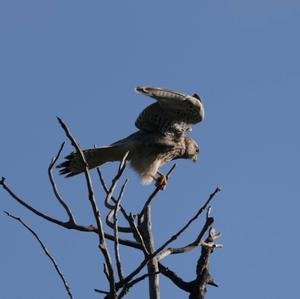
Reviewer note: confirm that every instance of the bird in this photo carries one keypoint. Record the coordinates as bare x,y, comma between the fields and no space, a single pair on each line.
161,137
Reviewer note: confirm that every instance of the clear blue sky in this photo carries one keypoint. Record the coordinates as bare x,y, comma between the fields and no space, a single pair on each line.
81,60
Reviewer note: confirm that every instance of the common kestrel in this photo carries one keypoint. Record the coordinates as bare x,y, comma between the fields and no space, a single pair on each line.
161,137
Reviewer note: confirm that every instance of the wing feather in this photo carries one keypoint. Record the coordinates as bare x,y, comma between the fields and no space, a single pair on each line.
173,111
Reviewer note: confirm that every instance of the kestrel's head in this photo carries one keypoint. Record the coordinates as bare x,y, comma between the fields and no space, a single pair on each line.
191,149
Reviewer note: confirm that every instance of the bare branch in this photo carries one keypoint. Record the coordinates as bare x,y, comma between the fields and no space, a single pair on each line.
162,247
54,187
137,234
116,234
110,223
125,242
133,282
198,287
102,242
29,207
111,207
115,180
102,181
175,236
46,251
126,288
105,271
198,242
170,171
208,212
101,292
68,224
179,282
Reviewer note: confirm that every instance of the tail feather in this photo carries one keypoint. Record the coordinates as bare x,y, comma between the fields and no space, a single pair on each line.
95,157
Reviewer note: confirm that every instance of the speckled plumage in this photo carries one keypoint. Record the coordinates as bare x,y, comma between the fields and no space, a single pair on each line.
173,112
160,139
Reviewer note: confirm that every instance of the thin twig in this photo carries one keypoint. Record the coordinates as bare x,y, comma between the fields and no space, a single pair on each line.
46,251
29,207
111,207
101,292
133,282
170,171
189,247
116,233
115,181
102,242
137,233
102,181
54,187
175,236
106,190
110,223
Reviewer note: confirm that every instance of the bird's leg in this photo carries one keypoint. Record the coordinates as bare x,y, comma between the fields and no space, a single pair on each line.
160,181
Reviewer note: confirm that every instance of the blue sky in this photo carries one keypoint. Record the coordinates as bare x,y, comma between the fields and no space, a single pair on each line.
81,60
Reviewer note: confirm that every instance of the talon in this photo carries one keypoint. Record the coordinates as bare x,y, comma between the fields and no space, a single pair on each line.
161,181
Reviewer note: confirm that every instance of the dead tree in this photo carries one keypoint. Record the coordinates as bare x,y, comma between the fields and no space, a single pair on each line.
139,230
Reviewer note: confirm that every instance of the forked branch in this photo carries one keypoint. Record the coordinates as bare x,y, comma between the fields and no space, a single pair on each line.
54,187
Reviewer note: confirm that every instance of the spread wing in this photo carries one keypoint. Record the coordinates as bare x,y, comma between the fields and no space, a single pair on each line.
174,112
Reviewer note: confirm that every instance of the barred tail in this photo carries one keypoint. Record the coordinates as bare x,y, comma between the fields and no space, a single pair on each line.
95,157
